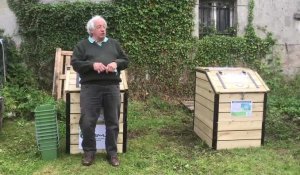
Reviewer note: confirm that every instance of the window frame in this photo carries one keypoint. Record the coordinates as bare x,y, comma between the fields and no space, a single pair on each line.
211,19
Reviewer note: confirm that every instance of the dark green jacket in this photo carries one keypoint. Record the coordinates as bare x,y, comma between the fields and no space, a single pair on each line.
86,53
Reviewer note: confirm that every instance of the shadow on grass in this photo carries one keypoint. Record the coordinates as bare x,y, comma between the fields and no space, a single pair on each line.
183,135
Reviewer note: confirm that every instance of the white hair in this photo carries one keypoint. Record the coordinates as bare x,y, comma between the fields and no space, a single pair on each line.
90,26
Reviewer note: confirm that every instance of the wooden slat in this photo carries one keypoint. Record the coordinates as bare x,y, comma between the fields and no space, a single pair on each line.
74,128
74,139
227,117
207,130
204,137
55,74
238,144
204,115
75,108
62,77
64,52
74,149
124,79
208,94
239,135
201,75
74,118
259,89
75,98
67,61
205,102
254,97
204,84
239,125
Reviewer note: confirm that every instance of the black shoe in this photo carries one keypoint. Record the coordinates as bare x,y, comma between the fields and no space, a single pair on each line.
113,160
88,158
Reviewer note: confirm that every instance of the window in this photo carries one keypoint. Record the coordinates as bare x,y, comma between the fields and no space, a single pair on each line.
216,16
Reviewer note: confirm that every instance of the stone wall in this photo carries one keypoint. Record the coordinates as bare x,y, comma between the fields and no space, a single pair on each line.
277,17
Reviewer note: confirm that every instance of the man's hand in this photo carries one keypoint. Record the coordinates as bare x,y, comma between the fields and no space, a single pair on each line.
99,67
111,67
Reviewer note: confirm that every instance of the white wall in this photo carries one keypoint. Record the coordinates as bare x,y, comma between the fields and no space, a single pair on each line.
277,17
8,22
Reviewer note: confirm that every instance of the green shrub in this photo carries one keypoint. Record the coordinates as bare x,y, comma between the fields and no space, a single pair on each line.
21,101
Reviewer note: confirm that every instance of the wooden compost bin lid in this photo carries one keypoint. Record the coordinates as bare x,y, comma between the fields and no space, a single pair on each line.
72,81
233,80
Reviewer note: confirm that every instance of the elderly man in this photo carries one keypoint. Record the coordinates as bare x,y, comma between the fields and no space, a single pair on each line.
99,60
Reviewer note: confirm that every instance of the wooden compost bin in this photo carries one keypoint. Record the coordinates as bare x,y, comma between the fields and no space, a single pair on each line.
72,91
230,107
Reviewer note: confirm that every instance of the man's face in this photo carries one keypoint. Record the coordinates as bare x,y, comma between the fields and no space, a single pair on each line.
99,32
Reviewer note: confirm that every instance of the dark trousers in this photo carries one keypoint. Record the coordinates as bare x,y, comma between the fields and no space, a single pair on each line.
92,98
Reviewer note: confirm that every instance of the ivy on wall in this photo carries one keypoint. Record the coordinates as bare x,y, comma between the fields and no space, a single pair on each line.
156,34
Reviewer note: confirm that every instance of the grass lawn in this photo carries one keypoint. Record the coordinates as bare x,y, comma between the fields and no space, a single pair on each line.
160,141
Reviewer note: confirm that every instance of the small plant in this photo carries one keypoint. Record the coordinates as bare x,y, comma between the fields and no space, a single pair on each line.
21,101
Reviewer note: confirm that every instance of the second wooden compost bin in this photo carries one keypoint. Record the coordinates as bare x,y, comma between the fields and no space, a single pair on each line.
230,107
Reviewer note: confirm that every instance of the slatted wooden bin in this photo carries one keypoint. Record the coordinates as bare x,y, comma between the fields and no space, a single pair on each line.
230,107
62,60
66,86
72,90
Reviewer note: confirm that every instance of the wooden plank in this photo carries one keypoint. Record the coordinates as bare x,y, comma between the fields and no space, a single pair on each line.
238,144
207,130
67,61
74,118
226,107
74,139
203,137
65,52
202,76
227,117
75,97
189,105
254,97
204,84
121,119
74,149
239,135
55,73
239,125
123,77
74,128
215,82
208,94
67,82
75,108
232,90
205,102
122,97
204,115
62,77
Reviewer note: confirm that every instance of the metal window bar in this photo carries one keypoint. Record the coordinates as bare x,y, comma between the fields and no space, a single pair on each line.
216,14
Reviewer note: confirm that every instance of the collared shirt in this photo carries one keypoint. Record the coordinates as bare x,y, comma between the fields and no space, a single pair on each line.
91,40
